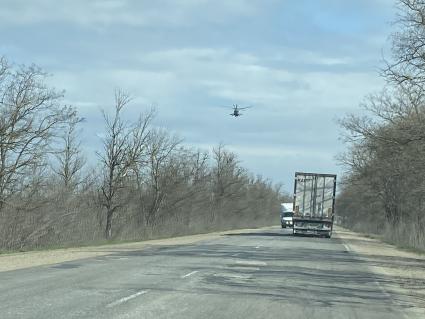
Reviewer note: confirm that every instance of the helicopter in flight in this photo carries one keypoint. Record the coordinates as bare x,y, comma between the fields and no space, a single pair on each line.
237,109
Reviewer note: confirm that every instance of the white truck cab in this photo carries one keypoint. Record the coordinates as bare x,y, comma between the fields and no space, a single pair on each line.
286,214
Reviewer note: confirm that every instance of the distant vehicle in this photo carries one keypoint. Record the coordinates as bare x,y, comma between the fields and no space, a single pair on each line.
314,202
286,214
236,110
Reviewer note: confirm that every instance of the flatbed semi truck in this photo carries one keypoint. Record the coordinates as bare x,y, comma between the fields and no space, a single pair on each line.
314,203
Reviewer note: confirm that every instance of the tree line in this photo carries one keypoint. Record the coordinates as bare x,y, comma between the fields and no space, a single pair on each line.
145,184
384,190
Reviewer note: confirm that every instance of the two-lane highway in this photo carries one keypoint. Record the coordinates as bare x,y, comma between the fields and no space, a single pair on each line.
259,274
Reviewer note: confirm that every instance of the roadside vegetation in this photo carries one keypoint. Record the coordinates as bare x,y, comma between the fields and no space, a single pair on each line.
384,190
145,184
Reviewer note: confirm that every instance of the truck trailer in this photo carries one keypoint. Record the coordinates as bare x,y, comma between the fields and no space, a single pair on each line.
314,203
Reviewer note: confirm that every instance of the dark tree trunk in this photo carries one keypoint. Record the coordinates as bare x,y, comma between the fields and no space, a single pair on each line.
108,229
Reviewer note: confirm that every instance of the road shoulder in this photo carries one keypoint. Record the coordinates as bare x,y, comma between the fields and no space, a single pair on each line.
399,272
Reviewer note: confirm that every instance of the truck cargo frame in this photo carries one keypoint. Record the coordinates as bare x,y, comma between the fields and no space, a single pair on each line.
314,204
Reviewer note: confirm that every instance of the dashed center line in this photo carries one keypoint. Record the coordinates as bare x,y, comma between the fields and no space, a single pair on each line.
190,274
122,300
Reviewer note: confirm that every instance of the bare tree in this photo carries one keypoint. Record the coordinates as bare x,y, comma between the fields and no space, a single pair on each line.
30,116
160,148
385,150
123,146
408,44
70,159
199,167
226,172
186,177
385,185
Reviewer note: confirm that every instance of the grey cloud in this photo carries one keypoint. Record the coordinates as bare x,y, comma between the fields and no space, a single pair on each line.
124,12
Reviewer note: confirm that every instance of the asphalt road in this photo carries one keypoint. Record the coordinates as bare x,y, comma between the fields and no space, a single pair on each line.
261,274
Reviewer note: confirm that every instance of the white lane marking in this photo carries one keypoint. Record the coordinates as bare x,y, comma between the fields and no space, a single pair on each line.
251,262
256,247
190,274
347,247
122,300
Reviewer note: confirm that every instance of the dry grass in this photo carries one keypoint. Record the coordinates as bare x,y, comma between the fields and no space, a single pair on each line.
409,236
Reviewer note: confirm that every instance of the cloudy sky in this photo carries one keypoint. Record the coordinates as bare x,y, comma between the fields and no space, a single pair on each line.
302,64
